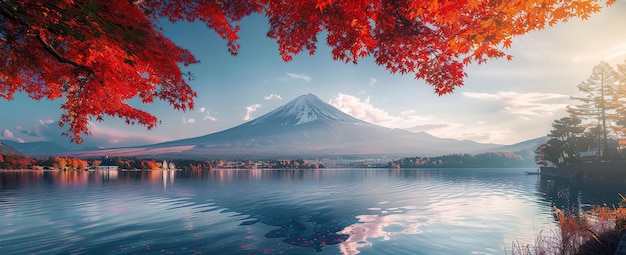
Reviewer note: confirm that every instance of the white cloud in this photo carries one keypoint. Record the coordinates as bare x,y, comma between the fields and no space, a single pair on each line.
302,76
43,129
480,95
525,104
7,134
411,121
482,135
364,110
614,53
407,112
461,131
188,120
273,96
372,80
439,128
106,137
209,117
46,122
249,110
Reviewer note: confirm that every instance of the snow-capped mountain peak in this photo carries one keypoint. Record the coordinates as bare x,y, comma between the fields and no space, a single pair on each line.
304,127
305,109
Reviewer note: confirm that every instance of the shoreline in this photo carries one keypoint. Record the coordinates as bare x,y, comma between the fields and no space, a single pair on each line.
614,171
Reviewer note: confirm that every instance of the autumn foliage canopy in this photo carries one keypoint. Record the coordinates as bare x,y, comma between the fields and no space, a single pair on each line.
100,54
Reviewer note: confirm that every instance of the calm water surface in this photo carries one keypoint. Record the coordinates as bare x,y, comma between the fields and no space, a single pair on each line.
439,211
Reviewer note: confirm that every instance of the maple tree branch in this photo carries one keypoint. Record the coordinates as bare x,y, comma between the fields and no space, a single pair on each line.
400,19
58,56
12,14
88,22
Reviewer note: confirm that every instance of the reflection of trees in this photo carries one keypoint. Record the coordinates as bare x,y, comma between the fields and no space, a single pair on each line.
12,179
574,195
82,179
73,179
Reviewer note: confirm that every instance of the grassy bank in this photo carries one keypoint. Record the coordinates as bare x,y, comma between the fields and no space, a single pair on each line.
596,232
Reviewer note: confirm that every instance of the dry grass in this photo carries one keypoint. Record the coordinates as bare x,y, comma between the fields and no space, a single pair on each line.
593,232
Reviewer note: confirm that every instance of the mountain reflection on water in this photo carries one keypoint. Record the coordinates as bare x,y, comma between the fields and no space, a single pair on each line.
434,211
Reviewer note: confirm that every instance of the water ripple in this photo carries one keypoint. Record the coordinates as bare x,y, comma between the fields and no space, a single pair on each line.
439,211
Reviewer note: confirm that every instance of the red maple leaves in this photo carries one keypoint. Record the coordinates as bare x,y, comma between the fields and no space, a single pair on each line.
434,40
100,54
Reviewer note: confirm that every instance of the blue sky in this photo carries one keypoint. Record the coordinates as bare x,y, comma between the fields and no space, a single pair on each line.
502,102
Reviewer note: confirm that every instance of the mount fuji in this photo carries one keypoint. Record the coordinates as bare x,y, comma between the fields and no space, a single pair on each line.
304,127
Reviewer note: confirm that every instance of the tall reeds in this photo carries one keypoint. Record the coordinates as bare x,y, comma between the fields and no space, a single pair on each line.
596,231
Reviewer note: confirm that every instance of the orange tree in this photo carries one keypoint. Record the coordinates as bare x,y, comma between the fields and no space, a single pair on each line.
14,161
99,54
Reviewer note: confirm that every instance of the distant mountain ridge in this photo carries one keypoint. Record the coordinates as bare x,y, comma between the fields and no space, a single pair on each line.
8,150
41,148
304,127
531,145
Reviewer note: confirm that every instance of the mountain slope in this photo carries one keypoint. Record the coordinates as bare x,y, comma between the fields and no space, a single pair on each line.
530,145
303,109
7,150
36,148
307,126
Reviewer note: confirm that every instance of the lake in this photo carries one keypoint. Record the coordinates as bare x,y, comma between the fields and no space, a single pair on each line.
325,211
